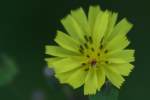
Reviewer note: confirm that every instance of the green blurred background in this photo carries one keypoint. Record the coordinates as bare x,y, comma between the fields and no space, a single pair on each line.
27,25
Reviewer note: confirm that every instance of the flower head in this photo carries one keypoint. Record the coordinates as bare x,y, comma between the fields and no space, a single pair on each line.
93,50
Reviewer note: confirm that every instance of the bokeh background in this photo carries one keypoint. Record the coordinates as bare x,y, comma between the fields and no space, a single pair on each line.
26,26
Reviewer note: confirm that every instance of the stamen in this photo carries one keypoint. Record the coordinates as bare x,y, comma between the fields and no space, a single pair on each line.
105,51
86,69
81,51
86,46
98,54
102,40
90,39
106,62
101,46
93,63
83,64
87,56
86,38
92,49
81,47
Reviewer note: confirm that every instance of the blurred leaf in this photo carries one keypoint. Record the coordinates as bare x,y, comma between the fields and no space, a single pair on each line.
107,93
7,70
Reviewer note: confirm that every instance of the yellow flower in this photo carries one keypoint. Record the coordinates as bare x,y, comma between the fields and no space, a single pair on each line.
93,50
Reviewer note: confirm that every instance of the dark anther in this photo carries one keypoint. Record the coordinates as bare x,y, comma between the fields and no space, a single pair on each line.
101,46
81,51
81,47
98,54
102,40
88,56
90,39
86,46
83,64
86,38
106,62
86,69
105,51
92,49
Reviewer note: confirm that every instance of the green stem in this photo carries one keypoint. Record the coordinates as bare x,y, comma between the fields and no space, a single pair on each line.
109,92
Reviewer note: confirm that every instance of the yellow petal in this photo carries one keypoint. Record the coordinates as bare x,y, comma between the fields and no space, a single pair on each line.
77,78
91,83
126,55
92,15
100,77
72,77
67,42
112,21
123,69
68,64
123,27
100,26
58,51
73,28
50,61
118,43
63,77
115,78
81,19
116,60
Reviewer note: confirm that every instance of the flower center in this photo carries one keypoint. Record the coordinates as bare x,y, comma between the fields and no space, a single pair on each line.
94,54
93,63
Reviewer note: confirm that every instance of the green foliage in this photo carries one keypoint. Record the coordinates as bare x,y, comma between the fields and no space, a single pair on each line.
7,70
108,93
